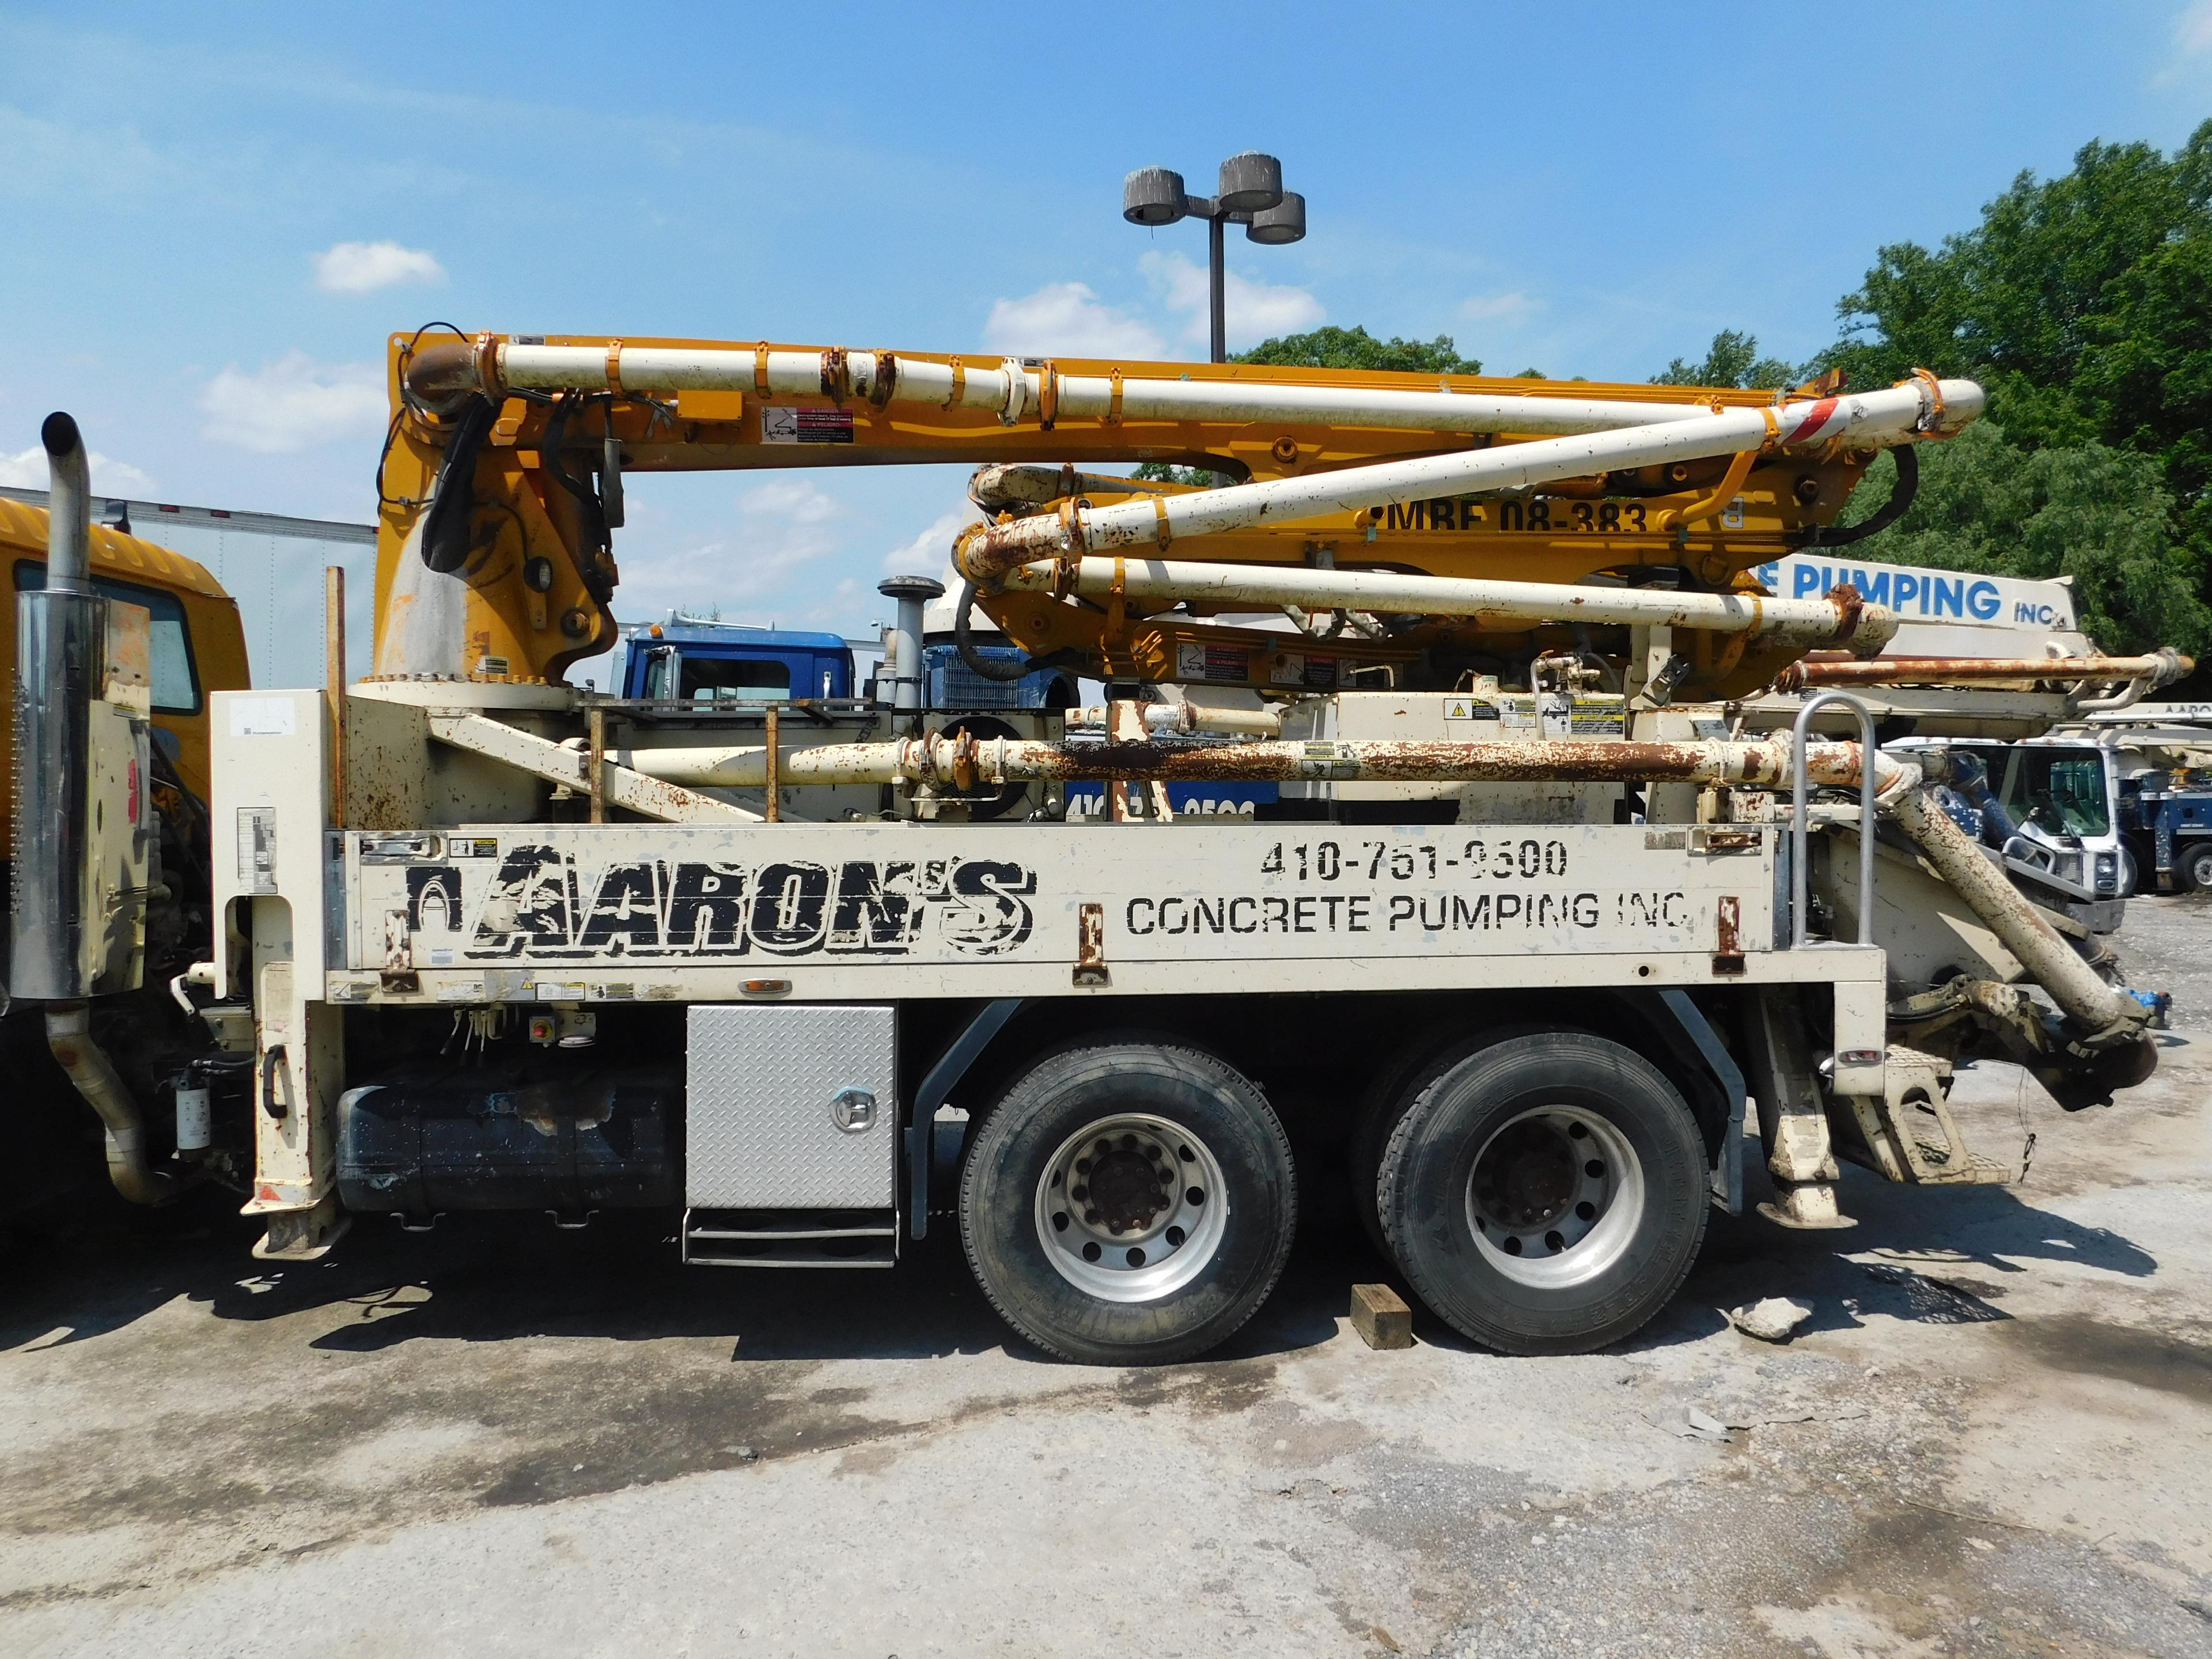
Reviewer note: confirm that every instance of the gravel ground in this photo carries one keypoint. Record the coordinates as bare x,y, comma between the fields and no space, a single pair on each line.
1993,1436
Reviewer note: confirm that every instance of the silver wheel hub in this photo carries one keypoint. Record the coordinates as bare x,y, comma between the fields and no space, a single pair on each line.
1555,1197
1131,1208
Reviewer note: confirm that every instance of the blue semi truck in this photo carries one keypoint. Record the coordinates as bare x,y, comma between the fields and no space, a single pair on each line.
696,660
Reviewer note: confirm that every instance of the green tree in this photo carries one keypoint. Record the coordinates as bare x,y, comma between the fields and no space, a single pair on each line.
2083,303
2089,510
1733,359
1355,348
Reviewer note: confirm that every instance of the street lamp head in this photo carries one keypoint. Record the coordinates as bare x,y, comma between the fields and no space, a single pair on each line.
1284,222
1250,183
1153,196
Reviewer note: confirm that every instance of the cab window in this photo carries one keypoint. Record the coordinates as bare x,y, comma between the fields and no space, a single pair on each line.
2060,795
725,679
176,677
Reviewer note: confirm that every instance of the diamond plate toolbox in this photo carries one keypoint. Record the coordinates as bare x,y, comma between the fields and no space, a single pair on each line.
792,1107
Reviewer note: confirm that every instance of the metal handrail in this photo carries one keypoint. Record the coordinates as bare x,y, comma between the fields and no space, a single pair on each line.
1800,873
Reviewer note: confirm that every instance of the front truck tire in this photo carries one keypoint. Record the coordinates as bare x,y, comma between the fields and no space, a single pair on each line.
1128,1203
1545,1195
2194,866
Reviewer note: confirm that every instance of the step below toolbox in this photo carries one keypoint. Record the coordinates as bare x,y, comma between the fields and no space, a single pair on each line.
791,1137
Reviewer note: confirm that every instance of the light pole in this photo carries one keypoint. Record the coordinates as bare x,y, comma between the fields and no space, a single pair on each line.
1250,194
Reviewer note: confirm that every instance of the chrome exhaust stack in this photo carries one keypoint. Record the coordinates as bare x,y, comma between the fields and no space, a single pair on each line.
84,823
60,645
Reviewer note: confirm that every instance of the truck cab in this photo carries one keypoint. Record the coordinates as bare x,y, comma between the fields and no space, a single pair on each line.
194,647
2161,753
2052,814
196,643
692,660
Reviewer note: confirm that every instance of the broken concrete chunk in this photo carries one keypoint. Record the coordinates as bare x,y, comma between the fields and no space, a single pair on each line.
1771,1320
1691,1424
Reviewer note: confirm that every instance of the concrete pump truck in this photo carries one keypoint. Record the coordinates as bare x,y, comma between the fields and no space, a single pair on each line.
485,941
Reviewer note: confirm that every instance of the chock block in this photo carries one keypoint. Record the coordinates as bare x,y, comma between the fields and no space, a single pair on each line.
1381,1316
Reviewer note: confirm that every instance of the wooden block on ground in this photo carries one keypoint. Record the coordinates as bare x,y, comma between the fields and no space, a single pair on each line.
1381,1316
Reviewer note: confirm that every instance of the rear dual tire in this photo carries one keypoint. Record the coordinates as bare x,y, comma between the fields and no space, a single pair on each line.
1544,1194
1133,1203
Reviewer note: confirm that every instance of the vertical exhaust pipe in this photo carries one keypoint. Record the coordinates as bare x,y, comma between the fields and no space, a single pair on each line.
909,677
60,646
69,505
61,650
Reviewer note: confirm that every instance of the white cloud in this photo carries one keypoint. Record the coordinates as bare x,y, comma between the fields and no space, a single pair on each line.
1252,311
2192,40
786,525
794,500
1067,320
364,267
930,553
2192,30
293,404
1500,307
109,477
837,608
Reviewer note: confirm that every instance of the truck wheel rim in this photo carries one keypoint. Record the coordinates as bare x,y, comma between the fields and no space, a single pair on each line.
1131,1208
1555,1197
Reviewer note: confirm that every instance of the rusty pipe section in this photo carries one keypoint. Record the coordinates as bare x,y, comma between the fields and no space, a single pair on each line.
1013,486
965,760
1864,629
1921,406
2093,1007
1014,389
2162,667
69,1035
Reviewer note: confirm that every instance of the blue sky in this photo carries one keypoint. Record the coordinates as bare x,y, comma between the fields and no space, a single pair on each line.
214,215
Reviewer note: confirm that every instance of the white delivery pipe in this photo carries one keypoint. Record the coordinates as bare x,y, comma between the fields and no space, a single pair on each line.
1176,718
1012,389
1369,406
1255,586
1923,405
1004,387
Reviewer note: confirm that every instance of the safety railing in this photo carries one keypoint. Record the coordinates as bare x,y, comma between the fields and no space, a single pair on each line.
1800,862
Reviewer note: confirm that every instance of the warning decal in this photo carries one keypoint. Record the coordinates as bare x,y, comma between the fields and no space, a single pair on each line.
806,426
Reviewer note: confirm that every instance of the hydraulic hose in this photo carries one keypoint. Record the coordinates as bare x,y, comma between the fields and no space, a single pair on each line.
446,526
964,641
1901,499
1971,780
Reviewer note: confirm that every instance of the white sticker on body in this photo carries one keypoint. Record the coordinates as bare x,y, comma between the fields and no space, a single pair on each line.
262,717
